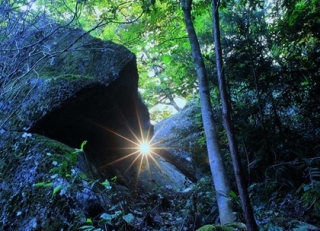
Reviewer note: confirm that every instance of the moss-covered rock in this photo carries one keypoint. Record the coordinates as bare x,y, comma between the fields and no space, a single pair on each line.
31,99
72,60
28,179
234,226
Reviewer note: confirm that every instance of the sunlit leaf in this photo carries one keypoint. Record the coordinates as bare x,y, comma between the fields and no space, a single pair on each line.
57,189
43,184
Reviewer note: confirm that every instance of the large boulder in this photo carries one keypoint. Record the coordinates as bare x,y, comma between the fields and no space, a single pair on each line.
74,88
181,141
85,91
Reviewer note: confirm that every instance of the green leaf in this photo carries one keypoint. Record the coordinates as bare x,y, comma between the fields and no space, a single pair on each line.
106,184
88,220
114,179
233,195
166,59
57,189
207,228
83,176
42,184
73,158
82,145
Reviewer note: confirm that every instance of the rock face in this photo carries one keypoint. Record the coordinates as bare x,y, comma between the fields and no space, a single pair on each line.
179,137
79,89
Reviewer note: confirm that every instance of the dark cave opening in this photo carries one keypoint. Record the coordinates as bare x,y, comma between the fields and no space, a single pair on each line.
104,116
83,118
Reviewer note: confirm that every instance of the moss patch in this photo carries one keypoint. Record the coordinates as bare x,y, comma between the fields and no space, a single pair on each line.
26,161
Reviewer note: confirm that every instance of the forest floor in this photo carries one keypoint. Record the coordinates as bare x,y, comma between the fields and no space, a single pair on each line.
196,207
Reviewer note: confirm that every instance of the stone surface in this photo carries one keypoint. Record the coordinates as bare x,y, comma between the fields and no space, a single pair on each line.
24,206
179,140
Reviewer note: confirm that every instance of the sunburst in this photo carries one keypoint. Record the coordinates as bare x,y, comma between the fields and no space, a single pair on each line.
145,147
140,147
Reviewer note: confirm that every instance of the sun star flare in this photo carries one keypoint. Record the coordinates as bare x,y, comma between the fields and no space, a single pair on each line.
145,148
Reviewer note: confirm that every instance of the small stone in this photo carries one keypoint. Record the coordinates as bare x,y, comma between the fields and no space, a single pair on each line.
26,135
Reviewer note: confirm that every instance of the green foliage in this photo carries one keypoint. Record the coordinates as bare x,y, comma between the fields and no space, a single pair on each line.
116,219
207,228
89,226
234,226
311,196
280,202
202,200
67,163
158,115
310,192
65,168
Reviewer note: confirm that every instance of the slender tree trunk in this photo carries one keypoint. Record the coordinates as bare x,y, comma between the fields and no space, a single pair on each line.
228,124
218,171
277,120
172,102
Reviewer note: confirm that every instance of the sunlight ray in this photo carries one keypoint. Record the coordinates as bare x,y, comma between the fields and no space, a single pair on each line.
119,159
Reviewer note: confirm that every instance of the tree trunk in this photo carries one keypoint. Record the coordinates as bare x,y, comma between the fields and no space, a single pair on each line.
219,175
228,124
